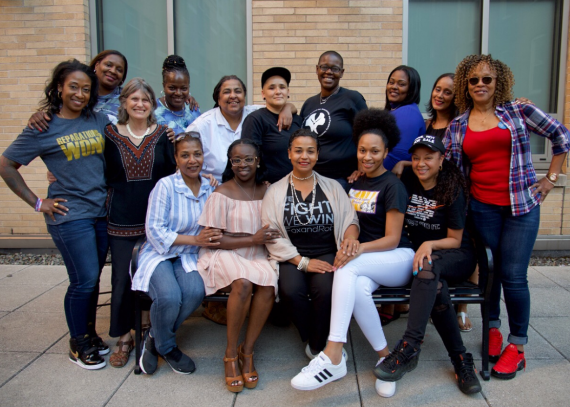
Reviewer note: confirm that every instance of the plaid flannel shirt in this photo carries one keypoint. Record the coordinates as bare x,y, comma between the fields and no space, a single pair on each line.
519,119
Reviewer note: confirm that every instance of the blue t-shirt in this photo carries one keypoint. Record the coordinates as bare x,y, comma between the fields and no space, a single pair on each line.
177,121
73,151
411,125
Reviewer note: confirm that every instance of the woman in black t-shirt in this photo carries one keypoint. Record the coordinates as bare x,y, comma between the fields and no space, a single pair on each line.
261,126
435,220
330,115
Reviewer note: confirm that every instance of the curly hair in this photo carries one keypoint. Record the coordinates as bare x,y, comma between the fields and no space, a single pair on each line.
104,54
52,100
504,81
174,63
379,122
260,172
218,88
432,113
131,87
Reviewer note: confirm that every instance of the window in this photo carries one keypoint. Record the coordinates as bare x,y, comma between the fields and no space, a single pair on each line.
210,35
525,34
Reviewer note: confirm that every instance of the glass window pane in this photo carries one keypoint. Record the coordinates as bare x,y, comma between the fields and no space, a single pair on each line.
522,34
137,28
441,34
211,37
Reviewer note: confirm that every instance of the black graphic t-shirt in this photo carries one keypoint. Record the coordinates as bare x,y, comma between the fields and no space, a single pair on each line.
261,127
332,122
316,238
72,149
372,198
426,219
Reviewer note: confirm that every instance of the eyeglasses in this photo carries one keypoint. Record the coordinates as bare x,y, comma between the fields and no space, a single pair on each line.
334,69
486,80
248,160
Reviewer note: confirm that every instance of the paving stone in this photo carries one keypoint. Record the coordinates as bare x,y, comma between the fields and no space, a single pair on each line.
31,331
7,269
560,275
553,302
12,362
49,301
14,296
38,275
537,279
555,330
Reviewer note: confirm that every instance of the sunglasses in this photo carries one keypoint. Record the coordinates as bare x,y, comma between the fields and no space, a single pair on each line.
486,80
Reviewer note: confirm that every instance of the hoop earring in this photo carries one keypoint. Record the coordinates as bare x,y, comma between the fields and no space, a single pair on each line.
467,95
441,167
59,95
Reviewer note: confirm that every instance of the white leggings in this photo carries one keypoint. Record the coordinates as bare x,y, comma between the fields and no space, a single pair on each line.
353,287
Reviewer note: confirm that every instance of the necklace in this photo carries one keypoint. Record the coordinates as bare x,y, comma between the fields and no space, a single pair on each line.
240,187
172,111
303,179
324,100
298,201
61,114
138,137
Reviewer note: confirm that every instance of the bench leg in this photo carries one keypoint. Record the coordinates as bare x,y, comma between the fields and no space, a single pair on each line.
138,333
485,374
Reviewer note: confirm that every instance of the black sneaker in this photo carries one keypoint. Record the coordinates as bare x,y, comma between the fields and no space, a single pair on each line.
101,346
403,359
149,356
466,374
179,362
84,355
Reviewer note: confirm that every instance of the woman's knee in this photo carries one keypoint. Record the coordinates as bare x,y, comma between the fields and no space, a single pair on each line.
242,288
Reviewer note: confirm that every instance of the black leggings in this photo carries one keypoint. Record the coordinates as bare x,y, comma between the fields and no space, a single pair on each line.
307,298
430,296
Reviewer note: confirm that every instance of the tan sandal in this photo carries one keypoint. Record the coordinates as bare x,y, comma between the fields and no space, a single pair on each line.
234,378
251,378
121,357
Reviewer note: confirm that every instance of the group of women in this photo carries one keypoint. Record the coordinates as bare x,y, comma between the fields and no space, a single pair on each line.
358,198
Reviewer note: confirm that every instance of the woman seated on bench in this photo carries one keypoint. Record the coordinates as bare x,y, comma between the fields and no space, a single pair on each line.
240,261
168,259
315,218
383,256
435,220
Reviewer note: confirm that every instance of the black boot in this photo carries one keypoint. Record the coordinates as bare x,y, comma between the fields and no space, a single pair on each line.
466,374
84,354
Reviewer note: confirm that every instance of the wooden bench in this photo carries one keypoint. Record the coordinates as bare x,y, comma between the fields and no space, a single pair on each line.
465,293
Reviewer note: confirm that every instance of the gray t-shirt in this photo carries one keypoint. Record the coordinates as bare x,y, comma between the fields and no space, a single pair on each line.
73,151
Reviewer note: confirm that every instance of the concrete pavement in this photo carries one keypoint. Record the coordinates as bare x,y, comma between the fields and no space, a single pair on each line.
35,370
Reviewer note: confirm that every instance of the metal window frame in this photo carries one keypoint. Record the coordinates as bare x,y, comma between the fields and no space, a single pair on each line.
541,161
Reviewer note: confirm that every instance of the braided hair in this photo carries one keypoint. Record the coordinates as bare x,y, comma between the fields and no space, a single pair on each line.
174,63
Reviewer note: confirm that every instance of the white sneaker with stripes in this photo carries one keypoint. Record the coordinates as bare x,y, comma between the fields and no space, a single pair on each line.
319,372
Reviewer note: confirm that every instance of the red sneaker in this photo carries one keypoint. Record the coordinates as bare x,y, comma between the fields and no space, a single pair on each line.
510,362
495,344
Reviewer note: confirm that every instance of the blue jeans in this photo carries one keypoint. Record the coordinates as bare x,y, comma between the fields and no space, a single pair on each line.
83,246
175,295
511,239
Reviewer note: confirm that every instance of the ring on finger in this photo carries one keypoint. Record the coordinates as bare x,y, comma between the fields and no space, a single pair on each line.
55,204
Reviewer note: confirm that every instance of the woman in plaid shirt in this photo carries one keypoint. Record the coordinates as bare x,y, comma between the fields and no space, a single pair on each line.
490,142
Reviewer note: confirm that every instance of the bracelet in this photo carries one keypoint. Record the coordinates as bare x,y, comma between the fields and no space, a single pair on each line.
546,178
303,264
39,204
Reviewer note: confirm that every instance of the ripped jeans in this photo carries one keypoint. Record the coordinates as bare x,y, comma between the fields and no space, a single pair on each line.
430,297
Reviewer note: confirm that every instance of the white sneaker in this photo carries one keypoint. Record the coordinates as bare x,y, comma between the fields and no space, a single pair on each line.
311,356
318,373
384,389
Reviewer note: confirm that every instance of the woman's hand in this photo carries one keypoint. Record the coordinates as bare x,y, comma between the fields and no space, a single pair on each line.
398,169
208,237
285,117
39,121
52,206
265,235
354,176
349,250
192,103
524,101
319,266
423,252
171,135
213,181
543,187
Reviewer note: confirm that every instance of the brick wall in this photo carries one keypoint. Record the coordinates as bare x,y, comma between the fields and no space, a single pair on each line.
34,36
368,34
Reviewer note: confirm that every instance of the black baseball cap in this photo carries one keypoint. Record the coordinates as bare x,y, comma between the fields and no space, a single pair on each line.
434,143
276,71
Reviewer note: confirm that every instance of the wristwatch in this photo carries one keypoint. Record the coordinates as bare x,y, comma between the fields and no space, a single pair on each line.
552,177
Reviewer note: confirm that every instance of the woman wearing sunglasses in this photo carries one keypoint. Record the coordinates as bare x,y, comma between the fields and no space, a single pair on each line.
329,115
490,142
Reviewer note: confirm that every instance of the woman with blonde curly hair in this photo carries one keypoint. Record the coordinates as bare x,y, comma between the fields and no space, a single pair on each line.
490,142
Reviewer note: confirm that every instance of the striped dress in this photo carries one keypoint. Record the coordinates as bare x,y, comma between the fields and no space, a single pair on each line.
218,267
